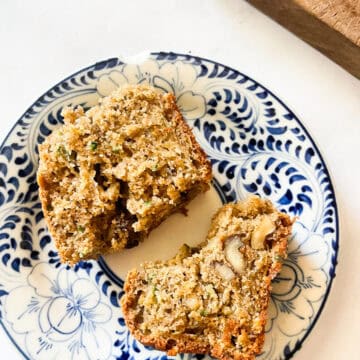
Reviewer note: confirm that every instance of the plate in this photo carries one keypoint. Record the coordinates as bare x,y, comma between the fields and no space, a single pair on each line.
256,145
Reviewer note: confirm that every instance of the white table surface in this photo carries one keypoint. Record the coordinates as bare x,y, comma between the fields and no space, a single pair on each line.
41,42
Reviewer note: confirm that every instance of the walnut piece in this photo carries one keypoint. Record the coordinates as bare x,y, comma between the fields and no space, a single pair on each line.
265,228
233,255
224,271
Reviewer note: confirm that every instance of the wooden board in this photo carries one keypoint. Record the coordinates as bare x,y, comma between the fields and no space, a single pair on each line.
333,27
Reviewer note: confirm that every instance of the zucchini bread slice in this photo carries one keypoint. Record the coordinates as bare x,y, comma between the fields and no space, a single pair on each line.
110,175
212,299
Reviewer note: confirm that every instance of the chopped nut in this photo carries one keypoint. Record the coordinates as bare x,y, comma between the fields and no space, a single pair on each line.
224,271
193,302
120,170
233,255
265,228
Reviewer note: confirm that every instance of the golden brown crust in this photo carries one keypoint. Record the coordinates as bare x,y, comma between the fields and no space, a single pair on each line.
112,174
183,128
211,300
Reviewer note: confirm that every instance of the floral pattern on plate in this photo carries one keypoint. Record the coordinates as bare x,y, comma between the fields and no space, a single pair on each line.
255,144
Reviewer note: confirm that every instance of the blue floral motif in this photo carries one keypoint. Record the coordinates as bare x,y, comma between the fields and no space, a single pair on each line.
61,314
255,145
168,77
304,247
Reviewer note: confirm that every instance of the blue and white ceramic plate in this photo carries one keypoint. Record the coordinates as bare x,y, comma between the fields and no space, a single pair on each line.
256,146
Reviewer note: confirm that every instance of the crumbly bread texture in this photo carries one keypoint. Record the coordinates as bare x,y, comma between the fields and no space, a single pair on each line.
212,299
110,175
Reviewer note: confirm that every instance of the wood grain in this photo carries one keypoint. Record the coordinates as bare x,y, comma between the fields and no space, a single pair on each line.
331,26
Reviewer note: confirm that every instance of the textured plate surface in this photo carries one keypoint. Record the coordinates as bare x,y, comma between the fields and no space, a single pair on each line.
256,145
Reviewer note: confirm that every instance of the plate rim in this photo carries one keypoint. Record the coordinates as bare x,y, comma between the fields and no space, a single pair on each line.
334,245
